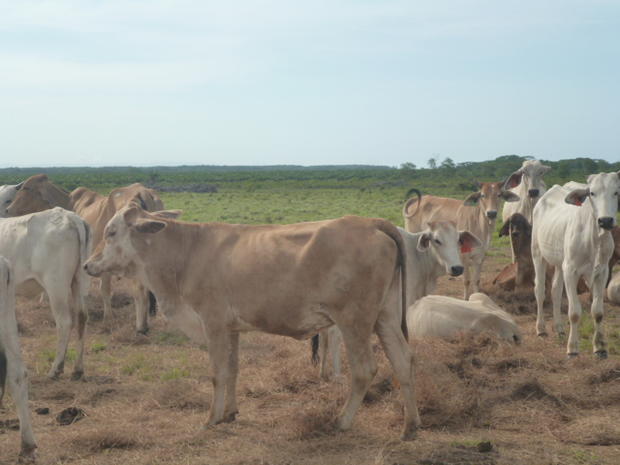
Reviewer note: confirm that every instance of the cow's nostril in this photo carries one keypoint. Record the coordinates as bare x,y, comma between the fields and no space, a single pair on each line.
533,192
492,214
606,223
456,270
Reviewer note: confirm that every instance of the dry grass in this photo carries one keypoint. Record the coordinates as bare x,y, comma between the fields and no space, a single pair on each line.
146,400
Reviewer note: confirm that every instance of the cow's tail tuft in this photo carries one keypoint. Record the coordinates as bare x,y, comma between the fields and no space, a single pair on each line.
315,349
388,228
3,371
410,201
152,304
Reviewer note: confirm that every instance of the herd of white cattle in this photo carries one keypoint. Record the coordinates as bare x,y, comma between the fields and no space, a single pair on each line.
343,279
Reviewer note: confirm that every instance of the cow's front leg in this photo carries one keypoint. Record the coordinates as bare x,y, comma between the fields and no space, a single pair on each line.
540,275
477,269
106,295
141,300
466,280
599,345
219,343
574,310
230,412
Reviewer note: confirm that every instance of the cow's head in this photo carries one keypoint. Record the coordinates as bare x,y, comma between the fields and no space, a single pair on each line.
489,197
520,232
130,226
36,194
603,191
443,239
7,194
530,176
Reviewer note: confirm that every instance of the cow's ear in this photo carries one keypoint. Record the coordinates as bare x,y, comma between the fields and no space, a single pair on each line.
149,226
472,199
577,197
513,180
168,214
424,241
510,196
468,241
505,228
545,169
131,214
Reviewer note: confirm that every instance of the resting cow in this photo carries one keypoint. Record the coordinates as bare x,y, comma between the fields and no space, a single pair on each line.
571,232
12,368
38,193
431,253
477,214
50,247
213,280
445,317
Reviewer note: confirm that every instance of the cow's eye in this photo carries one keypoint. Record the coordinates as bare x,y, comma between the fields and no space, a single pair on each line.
112,234
7,202
437,241
592,194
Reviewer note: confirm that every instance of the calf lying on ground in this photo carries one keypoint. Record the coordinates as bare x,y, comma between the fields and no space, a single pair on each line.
445,317
11,367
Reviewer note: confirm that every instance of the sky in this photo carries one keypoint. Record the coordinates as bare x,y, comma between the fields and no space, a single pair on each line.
169,82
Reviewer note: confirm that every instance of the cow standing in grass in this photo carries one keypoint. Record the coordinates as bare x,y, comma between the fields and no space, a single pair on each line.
571,232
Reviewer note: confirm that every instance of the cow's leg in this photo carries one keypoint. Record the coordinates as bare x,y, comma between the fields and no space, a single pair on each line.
61,309
557,289
82,318
230,412
363,369
540,275
574,309
324,344
335,338
219,339
599,345
477,269
17,378
106,295
141,302
466,280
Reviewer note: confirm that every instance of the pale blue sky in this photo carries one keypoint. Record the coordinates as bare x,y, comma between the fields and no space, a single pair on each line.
133,82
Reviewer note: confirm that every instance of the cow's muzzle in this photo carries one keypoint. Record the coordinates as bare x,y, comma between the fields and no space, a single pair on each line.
92,269
606,222
492,214
456,270
533,193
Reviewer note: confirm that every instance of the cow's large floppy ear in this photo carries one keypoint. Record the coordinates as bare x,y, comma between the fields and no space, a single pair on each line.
505,228
513,180
472,199
424,241
468,241
510,196
168,214
149,226
577,197
131,214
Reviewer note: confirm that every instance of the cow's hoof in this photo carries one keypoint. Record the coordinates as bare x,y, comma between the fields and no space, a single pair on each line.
54,375
27,454
230,417
600,354
77,375
542,334
142,332
572,355
409,434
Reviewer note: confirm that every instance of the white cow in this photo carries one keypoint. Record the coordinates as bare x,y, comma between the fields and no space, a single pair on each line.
571,232
430,254
7,194
11,367
50,248
613,289
445,317
527,182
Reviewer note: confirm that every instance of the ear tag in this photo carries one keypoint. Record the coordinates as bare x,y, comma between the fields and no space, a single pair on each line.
465,248
578,202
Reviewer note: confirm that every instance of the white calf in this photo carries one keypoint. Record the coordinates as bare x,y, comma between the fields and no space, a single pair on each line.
571,232
50,248
445,317
11,367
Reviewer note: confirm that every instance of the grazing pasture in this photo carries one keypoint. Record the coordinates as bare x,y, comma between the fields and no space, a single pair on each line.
145,398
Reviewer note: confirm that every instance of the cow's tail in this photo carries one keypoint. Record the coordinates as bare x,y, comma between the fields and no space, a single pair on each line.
389,229
81,280
315,349
3,371
411,201
152,304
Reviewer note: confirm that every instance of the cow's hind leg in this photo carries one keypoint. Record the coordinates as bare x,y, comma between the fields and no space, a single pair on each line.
61,308
557,288
230,411
540,274
363,369
599,345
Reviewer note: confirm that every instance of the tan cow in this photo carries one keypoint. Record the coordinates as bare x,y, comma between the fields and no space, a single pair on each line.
476,214
214,280
38,193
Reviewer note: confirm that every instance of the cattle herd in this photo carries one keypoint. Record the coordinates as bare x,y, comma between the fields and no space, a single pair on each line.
332,281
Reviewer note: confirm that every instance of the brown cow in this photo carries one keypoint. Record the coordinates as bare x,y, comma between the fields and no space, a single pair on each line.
38,193
476,214
521,272
213,280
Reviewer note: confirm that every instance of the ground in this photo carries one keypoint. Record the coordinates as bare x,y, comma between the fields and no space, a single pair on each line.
145,398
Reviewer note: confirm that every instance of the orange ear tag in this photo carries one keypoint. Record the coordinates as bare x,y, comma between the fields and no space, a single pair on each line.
578,202
465,248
